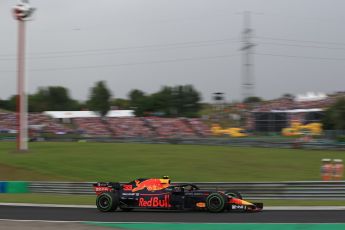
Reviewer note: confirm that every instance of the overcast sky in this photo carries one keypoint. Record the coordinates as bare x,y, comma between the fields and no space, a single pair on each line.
145,44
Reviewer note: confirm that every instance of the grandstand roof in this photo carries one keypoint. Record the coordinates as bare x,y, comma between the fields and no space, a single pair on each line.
70,114
81,114
120,113
310,96
296,110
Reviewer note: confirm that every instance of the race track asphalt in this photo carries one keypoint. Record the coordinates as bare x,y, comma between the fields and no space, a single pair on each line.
91,214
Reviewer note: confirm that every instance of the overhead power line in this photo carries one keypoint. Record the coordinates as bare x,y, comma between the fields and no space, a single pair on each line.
157,46
303,57
303,41
109,52
303,46
127,64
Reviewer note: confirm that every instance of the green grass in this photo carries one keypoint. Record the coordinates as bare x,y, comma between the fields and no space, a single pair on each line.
124,162
42,198
303,202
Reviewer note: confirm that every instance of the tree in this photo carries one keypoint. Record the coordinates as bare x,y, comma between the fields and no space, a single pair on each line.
59,98
163,102
99,99
55,98
288,96
186,101
334,117
192,102
46,98
182,101
3,103
120,103
250,100
136,96
10,104
137,100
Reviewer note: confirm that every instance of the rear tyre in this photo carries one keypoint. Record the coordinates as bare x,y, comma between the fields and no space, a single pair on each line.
234,194
216,202
107,202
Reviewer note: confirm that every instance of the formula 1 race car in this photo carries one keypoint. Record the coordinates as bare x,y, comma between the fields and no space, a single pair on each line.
159,193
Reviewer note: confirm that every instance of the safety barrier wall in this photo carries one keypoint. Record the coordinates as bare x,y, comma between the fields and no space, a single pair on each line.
2,187
14,187
245,142
312,190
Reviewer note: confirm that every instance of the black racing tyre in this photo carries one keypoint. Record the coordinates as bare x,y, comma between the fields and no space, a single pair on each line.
216,202
234,194
107,202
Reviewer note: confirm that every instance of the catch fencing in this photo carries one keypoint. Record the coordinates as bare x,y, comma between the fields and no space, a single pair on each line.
266,142
306,190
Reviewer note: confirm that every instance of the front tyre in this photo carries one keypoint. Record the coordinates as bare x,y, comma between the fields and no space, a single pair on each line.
107,202
215,202
234,194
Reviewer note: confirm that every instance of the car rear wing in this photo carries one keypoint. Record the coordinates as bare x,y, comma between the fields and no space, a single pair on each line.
101,187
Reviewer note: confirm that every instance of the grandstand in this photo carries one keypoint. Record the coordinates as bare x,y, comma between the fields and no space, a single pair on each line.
125,127
170,127
87,123
199,127
92,126
267,116
8,122
38,123
274,115
45,124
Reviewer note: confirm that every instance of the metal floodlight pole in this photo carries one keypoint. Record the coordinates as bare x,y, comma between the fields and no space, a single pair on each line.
22,116
22,12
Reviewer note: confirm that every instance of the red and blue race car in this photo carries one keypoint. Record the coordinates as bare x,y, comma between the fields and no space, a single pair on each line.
161,194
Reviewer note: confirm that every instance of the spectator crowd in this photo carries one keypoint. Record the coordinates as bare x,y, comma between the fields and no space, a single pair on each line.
118,127
161,127
290,104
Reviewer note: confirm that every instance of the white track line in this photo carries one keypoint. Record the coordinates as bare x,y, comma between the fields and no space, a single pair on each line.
274,208
47,205
112,222
44,221
304,208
